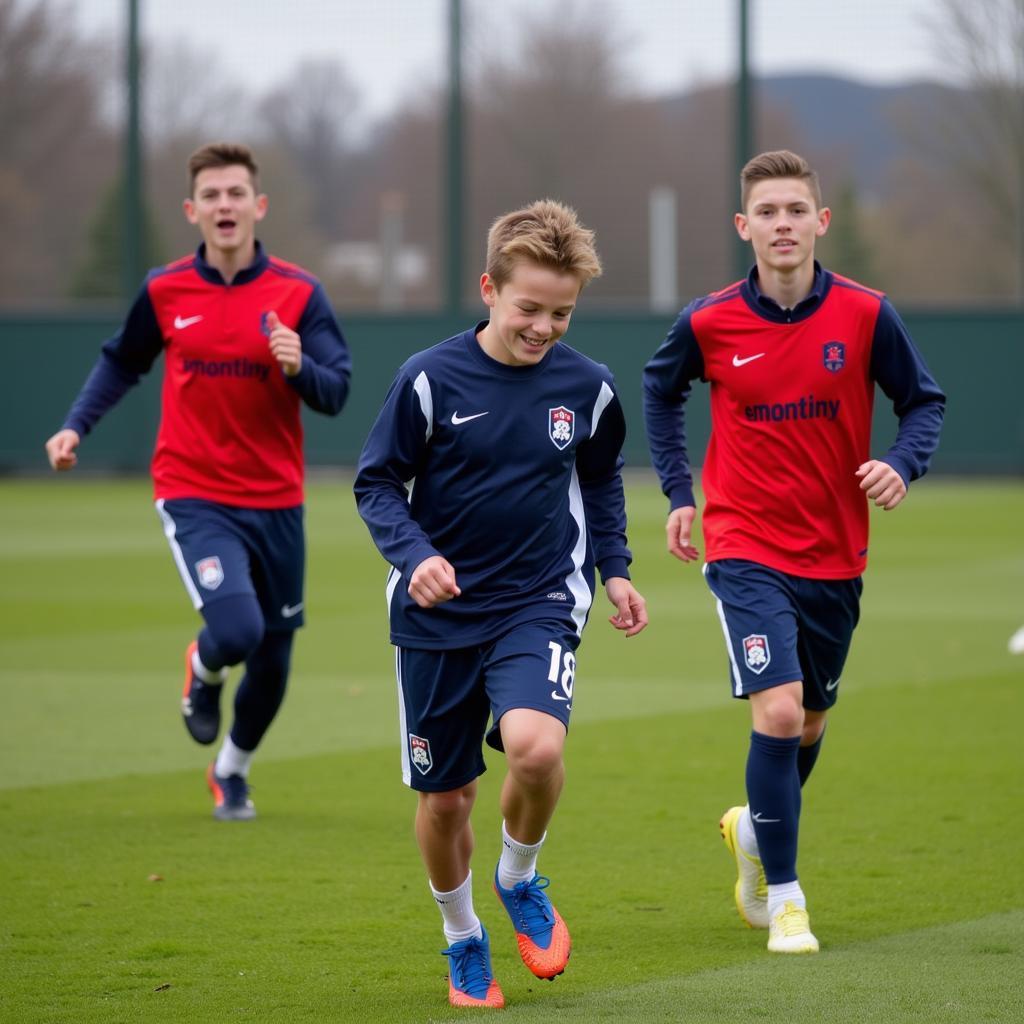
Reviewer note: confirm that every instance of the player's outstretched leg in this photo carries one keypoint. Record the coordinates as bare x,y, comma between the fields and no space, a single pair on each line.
543,938
751,890
230,796
200,699
471,980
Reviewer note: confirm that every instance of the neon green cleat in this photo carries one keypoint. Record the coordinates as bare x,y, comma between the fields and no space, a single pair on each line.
751,890
790,931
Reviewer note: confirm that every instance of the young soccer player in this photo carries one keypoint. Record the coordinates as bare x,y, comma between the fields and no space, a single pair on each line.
792,355
491,484
246,339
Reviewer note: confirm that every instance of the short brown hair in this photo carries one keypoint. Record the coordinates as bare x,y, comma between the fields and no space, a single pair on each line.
221,154
547,233
779,163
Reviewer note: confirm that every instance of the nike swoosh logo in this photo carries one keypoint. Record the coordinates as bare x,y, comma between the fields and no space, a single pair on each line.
457,419
181,322
831,685
763,821
291,610
736,361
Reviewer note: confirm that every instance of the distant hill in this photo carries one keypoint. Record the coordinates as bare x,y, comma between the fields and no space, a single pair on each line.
868,123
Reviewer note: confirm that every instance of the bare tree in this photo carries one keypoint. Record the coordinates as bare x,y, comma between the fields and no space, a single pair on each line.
982,41
56,153
311,116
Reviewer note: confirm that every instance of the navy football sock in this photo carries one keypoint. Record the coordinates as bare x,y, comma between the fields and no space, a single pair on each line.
261,691
806,756
773,792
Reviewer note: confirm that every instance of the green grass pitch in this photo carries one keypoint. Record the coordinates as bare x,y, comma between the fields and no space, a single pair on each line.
121,900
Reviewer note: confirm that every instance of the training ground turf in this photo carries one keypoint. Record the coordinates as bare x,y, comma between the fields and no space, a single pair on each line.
122,900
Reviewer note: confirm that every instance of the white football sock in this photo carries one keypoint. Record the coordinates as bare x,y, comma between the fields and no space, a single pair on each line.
518,860
788,892
232,760
746,835
207,675
460,920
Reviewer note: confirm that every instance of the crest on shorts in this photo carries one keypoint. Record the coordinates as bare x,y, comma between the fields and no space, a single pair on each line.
419,753
210,572
834,356
756,654
561,426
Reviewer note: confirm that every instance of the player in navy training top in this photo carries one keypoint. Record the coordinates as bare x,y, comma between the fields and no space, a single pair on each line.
246,339
491,484
792,355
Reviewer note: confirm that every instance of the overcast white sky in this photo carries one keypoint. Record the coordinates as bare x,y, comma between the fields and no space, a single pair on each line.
391,47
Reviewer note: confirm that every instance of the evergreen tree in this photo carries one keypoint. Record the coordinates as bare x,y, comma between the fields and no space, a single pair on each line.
98,275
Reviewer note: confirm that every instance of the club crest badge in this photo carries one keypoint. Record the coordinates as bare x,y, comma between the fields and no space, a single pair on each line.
210,572
756,654
561,426
834,356
419,752
264,325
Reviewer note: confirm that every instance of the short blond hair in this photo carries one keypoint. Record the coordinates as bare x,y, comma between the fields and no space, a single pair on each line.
546,233
778,163
222,154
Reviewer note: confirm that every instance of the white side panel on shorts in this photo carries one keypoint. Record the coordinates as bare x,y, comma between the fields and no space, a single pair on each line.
737,679
179,559
403,728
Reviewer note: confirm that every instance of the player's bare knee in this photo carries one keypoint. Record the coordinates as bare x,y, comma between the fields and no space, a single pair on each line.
536,762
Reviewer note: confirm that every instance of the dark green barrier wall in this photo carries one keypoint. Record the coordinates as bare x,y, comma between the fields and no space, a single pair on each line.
977,357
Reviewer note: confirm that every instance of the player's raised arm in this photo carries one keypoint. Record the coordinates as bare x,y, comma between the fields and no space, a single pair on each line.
285,345
324,372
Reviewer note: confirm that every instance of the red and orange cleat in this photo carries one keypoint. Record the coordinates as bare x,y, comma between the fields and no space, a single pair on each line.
544,942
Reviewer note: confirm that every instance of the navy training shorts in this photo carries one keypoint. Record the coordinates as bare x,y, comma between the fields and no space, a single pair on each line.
445,697
222,551
780,628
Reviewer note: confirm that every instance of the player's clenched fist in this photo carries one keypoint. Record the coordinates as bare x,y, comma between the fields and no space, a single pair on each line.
285,345
881,483
433,582
60,449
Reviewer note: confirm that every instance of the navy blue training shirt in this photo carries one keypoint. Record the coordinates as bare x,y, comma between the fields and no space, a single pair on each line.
513,474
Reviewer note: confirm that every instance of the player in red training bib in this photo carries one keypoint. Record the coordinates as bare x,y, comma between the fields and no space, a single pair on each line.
792,355
246,339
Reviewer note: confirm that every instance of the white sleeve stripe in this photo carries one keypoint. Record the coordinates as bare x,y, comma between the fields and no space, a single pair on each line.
422,388
605,395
